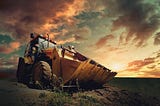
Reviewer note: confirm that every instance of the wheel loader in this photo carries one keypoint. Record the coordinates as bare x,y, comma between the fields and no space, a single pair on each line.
47,64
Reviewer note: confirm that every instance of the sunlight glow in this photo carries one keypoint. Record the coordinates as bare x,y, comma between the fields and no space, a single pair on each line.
117,67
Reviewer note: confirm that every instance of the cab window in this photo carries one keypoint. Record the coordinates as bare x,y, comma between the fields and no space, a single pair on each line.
44,44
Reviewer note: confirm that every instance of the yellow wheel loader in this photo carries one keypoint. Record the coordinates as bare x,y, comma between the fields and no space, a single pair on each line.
47,64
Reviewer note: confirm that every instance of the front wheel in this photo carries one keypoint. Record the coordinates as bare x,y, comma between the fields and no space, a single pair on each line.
42,74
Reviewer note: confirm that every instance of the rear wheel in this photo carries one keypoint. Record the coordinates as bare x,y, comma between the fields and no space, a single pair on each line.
20,71
42,74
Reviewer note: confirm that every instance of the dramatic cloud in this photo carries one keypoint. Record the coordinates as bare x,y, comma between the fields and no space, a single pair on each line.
112,32
140,19
20,17
102,41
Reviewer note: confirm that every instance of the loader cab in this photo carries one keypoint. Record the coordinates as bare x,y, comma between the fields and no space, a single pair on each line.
38,44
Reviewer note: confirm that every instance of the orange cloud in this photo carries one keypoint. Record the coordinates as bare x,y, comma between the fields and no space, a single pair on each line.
148,67
37,16
102,41
9,48
14,45
138,64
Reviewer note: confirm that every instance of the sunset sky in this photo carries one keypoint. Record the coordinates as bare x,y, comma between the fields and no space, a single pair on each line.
123,35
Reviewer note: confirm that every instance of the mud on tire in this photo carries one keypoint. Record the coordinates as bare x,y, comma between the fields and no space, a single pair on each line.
42,74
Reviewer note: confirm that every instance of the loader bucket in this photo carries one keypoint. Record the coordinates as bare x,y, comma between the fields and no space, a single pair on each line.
88,73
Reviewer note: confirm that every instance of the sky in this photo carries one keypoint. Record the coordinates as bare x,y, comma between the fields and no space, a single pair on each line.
122,35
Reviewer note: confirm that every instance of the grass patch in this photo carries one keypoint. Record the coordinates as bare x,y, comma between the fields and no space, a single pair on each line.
88,101
56,98
66,99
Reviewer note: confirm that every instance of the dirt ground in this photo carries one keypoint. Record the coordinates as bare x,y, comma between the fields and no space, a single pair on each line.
16,94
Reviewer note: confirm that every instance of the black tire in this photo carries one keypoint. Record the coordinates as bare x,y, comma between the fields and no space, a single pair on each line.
42,74
20,70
